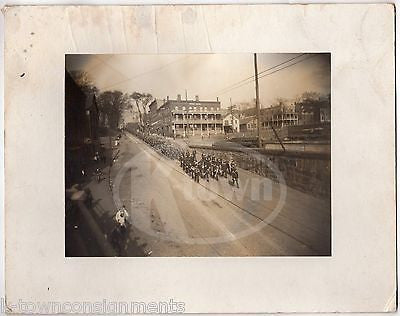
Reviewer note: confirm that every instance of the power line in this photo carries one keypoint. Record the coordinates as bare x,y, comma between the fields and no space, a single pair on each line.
304,59
263,71
268,74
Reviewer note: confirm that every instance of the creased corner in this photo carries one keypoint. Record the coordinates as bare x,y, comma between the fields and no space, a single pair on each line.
8,308
391,305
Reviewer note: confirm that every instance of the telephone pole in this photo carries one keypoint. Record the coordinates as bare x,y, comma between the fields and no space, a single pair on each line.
230,99
257,102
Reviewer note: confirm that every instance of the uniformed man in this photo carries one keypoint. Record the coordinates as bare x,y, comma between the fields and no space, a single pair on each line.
235,175
197,173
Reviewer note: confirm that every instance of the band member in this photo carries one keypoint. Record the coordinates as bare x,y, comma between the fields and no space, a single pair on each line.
235,175
197,173
225,168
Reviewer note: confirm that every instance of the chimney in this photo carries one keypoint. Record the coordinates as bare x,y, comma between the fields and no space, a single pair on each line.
197,98
178,97
167,97
217,99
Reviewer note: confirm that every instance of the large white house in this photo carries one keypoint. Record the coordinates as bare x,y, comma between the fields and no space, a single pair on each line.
231,123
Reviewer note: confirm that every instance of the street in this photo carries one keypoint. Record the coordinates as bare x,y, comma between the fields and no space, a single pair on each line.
174,216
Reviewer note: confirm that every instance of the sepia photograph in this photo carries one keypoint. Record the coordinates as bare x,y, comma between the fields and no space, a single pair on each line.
216,158
198,155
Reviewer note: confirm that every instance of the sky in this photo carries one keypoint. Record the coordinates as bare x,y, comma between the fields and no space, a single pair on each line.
208,75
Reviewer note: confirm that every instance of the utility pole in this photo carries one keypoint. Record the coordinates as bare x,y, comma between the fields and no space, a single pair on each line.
230,100
257,102
186,130
231,108
111,161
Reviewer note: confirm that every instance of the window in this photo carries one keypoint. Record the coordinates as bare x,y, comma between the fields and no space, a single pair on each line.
212,109
176,108
183,108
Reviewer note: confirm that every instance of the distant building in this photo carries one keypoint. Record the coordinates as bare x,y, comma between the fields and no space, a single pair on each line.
186,117
92,113
81,129
231,123
248,112
246,105
279,116
75,118
314,110
325,114
248,124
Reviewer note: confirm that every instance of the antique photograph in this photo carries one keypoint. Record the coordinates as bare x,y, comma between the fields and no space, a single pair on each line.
198,155
200,158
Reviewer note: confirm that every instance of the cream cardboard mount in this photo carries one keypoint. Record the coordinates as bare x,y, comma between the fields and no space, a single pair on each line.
360,276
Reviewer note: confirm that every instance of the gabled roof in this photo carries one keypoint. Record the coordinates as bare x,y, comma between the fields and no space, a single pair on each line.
246,120
249,112
235,116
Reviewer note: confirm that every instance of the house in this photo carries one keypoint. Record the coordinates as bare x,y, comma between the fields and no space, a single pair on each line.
231,123
248,124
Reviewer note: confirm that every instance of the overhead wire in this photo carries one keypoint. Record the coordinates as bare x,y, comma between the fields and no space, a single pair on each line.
263,71
268,74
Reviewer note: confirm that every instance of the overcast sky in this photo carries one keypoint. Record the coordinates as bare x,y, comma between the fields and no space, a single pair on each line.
208,75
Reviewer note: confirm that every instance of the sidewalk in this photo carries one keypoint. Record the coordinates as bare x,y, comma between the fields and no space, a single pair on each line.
104,209
88,229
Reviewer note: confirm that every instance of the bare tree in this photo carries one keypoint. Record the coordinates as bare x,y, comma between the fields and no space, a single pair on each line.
142,101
